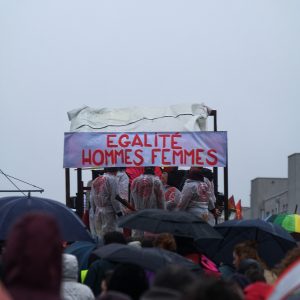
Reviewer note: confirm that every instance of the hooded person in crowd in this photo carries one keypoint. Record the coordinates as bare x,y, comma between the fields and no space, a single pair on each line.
71,289
123,183
197,196
33,259
208,178
147,192
91,208
172,194
103,192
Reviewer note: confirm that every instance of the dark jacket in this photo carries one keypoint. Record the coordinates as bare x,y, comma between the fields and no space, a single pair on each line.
96,273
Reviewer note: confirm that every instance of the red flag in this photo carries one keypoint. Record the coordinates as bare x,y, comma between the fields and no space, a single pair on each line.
239,213
231,204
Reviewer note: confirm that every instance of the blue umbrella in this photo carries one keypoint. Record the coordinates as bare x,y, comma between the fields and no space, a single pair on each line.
273,241
14,207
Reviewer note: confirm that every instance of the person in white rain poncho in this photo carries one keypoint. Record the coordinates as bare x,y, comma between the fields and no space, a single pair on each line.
208,179
71,289
172,194
197,195
123,183
103,192
147,191
92,209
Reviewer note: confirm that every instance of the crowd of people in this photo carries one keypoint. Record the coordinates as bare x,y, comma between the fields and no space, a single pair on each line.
36,264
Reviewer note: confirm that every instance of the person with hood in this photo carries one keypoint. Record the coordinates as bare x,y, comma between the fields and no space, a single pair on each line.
91,209
147,191
196,196
172,194
32,259
123,183
103,192
71,289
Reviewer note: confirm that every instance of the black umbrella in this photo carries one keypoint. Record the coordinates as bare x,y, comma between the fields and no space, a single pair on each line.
149,258
178,223
82,250
273,241
12,208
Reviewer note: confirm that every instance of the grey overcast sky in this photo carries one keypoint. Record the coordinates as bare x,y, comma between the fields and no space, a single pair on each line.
239,57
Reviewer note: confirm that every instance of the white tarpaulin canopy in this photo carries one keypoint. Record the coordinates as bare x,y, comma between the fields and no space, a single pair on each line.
173,118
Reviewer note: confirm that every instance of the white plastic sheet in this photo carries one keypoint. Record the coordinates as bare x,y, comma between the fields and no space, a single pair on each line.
184,117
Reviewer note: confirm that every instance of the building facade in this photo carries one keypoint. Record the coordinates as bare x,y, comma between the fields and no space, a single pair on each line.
294,183
276,195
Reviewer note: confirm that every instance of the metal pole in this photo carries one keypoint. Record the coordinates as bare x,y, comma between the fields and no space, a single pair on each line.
215,169
24,191
67,183
226,213
79,198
